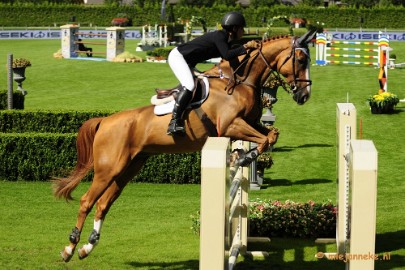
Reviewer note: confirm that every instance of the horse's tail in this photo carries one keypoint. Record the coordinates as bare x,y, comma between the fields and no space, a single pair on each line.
63,187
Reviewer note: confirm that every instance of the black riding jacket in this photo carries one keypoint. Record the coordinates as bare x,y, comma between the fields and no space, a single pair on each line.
211,45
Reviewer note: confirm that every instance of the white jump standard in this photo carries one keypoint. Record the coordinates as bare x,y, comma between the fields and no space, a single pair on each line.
115,41
357,194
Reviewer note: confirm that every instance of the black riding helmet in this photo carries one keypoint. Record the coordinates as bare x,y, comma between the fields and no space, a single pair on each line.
232,19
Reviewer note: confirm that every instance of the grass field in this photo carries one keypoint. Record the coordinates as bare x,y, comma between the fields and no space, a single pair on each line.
148,227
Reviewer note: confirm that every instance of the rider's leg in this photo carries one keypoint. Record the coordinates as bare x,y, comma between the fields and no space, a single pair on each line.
176,125
183,73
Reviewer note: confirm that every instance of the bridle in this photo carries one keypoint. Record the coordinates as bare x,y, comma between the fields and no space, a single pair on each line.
289,87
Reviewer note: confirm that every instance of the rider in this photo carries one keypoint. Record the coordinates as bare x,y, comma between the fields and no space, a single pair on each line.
211,45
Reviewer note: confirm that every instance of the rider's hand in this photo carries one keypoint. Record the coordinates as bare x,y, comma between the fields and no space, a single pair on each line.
251,45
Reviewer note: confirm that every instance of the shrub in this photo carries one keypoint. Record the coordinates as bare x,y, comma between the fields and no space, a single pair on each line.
37,145
303,220
275,219
18,100
45,121
160,52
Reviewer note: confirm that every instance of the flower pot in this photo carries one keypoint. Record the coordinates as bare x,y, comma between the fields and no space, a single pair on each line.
19,77
389,108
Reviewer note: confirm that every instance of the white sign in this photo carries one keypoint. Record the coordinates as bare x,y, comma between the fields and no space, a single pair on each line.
55,34
363,35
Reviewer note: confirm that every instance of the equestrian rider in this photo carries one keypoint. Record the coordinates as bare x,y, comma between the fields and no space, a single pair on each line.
211,45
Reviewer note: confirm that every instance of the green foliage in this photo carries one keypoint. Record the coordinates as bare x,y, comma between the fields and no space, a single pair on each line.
294,220
304,220
160,52
18,100
12,121
40,145
35,156
172,169
102,15
41,156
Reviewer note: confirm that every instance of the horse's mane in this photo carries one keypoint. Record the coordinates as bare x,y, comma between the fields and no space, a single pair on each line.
275,38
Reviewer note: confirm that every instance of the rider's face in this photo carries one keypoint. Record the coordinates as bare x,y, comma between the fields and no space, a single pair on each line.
239,32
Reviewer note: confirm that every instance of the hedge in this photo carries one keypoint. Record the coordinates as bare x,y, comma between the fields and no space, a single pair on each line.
36,156
45,15
36,146
42,156
45,121
18,100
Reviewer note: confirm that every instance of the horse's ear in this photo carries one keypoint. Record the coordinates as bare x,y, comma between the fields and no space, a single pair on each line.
307,37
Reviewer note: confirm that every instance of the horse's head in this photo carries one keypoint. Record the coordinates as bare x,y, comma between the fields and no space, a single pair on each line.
290,58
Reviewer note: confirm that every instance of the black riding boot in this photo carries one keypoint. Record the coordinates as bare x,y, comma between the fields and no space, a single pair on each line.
176,125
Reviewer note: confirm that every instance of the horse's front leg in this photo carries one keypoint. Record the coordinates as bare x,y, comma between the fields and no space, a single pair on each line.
239,129
271,132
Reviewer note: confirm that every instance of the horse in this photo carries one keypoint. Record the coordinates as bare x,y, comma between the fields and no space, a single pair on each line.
116,147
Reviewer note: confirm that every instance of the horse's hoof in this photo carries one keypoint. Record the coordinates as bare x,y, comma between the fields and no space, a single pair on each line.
82,253
66,255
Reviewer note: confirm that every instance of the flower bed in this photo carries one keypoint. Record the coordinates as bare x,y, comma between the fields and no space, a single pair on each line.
289,219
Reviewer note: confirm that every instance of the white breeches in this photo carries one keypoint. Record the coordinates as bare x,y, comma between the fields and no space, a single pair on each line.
181,69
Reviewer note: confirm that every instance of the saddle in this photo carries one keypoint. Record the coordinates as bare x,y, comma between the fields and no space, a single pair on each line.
165,93
165,98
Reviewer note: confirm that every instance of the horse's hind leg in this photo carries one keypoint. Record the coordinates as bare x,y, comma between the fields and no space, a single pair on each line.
103,205
87,201
105,202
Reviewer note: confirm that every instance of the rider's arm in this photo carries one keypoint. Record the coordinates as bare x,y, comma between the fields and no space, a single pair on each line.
222,45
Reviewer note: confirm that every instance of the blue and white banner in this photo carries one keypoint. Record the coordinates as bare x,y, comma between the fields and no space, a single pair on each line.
136,34
56,34
366,36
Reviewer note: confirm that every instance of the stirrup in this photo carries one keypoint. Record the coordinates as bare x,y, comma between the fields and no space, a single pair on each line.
176,127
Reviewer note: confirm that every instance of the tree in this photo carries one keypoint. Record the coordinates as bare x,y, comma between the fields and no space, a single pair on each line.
361,3
260,3
314,3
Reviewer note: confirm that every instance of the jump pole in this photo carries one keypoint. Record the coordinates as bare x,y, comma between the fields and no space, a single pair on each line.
324,44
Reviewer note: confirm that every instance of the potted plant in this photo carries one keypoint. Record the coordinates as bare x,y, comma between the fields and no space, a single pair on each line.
383,102
19,65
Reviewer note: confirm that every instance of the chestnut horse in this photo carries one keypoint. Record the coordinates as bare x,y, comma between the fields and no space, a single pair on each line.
116,147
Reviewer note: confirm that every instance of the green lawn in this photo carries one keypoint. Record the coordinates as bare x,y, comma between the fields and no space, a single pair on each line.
140,232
